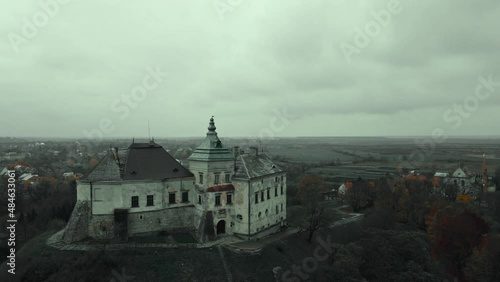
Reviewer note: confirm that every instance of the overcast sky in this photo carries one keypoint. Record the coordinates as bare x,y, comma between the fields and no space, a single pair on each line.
245,60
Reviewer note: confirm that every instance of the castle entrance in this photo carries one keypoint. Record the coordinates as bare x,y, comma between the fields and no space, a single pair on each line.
121,224
221,227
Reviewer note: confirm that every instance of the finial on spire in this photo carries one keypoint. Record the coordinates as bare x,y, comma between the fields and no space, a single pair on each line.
211,124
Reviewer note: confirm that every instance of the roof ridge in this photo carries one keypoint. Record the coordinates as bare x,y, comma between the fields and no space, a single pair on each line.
245,166
97,164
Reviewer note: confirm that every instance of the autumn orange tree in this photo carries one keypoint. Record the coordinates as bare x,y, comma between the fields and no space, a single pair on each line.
93,163
310,192
456,231
436,181
484,263
432,210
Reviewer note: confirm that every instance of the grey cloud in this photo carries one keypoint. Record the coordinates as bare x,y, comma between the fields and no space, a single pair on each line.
262,56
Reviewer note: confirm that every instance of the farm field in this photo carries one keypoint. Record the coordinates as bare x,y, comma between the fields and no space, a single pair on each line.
343,158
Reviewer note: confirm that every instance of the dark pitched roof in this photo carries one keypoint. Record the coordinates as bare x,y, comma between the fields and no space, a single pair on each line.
141,161
151,161
251,166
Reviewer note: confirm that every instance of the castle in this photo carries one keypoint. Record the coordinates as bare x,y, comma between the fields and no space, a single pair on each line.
144,190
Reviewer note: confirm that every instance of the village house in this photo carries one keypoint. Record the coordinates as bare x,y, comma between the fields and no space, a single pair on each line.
143,189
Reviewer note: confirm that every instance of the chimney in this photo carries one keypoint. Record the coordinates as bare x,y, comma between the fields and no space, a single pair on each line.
256,150
236,153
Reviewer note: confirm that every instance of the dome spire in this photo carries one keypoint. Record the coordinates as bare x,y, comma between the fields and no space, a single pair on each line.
211,125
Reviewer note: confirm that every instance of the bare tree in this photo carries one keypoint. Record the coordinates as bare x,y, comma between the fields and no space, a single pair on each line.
310,192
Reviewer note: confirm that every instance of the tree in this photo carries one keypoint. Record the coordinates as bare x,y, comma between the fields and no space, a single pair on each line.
383,196
436,181
418,198
41,189
497,176
455,233
484,263
450,192
310,192
22,220
32,215
381,255
361,195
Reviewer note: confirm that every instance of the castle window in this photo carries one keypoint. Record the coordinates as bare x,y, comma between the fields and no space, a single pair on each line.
171,198
276,179
135,201
228,178
240,217
267,211
281,189
260,214
282,177
201,177
262,196
150,200
268,193
277,210
229,199
276,191
217,178
199,199
98,194
256,197
185,197
217,200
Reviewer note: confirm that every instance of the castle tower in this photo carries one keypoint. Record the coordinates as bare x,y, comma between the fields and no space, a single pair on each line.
213,165
211,162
